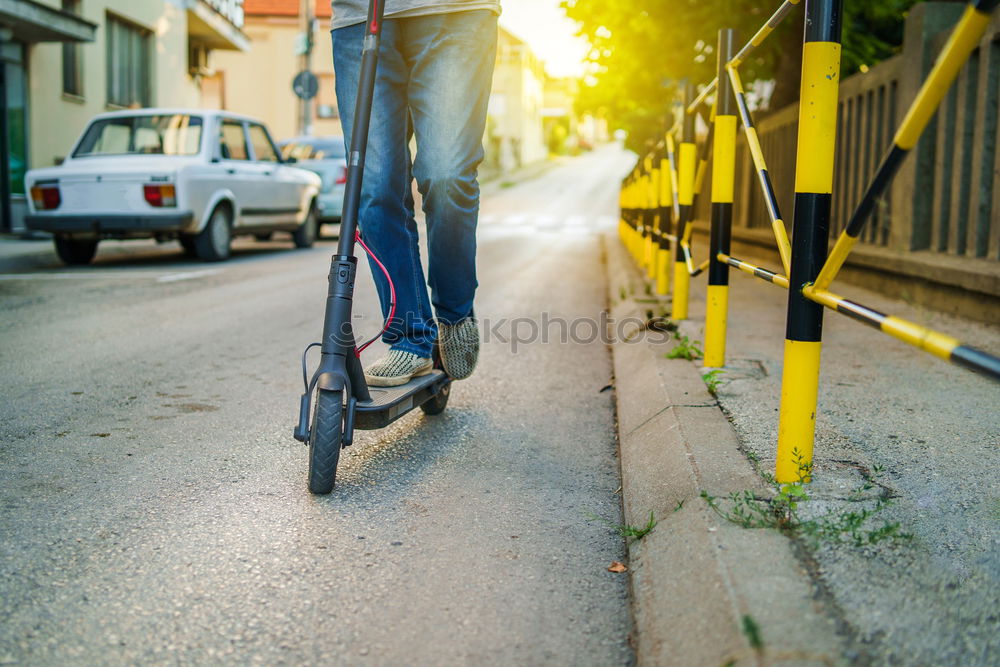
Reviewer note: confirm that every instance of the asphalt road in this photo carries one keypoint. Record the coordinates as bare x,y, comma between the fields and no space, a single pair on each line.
153,505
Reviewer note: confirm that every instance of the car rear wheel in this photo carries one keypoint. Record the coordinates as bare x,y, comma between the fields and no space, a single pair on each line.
75,252
212,244
305,235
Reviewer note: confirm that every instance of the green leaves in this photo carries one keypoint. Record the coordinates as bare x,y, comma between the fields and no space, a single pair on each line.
642,51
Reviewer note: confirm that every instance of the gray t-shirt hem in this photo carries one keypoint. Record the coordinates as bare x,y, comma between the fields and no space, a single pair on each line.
342,18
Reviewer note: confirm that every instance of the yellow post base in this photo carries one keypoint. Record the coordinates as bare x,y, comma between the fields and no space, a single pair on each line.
797,419
716,310
651,249
682,282
662,271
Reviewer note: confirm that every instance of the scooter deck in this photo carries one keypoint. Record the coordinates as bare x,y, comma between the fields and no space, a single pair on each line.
390,403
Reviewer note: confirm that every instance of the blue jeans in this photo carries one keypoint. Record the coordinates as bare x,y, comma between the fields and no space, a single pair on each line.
434,79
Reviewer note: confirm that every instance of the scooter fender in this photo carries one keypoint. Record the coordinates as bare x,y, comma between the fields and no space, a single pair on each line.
333,381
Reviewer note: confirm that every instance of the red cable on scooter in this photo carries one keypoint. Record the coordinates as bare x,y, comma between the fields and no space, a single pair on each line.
392,295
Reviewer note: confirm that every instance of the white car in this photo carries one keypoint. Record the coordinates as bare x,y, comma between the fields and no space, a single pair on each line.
197,176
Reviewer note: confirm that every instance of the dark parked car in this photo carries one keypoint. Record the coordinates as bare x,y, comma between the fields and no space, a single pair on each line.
327,157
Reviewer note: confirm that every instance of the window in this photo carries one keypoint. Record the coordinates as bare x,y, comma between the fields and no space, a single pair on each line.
232,142
14,142
262,146
176,134
326,99
128,64
72,59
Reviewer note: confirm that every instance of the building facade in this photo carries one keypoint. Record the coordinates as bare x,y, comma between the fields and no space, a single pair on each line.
259,83
64,61
514,133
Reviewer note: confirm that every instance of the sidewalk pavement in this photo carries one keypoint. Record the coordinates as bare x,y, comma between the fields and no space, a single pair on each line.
697,580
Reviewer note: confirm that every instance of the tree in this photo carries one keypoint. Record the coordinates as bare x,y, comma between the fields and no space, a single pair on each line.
642,51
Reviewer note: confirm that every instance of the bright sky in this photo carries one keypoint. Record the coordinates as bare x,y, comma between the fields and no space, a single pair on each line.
543,25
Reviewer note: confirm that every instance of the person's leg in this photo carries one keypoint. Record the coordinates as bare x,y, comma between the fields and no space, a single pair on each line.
386,211
451,58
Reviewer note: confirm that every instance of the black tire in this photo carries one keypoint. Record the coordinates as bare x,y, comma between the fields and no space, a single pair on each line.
75,252
212,244
305,235
438,403
265,236
187,243
325,440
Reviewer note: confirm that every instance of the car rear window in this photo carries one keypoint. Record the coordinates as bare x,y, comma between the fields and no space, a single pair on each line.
314,149
175,134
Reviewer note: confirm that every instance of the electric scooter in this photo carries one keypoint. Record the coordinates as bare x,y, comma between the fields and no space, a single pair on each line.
339,397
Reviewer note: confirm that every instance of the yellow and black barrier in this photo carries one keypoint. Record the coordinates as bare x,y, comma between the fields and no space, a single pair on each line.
767,188
762,34
808,270
810,233
756,271
686,161
955,53
940,345
723,193
702,96
666,206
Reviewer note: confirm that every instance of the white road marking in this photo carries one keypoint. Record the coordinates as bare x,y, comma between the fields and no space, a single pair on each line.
187,275
129,275
69,275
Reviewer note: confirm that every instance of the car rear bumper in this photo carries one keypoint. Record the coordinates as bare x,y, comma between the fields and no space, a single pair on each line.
110,223
330,206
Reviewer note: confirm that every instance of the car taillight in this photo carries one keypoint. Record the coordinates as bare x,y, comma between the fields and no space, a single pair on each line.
45,196
160,195
343,176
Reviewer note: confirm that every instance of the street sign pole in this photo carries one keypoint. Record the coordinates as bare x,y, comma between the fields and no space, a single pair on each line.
306,25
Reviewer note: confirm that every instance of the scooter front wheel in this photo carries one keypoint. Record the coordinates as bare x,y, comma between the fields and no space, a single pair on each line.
325,440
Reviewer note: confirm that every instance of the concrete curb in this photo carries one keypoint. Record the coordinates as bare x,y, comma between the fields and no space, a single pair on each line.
695,577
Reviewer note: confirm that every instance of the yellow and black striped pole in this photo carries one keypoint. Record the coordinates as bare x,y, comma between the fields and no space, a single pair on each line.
811,228
624,220
686,159
629,214
964,38
649,216
939,344
703,155
665,199
762,34
767,189
723,175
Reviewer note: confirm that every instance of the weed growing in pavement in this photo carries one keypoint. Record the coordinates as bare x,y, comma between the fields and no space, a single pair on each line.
752,632
713,381
622,294
627,531
781,512
685,349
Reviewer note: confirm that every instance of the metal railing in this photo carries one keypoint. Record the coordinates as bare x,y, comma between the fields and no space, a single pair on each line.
658,198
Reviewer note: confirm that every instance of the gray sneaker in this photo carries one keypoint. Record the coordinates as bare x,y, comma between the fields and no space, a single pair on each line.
396,368
459,347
